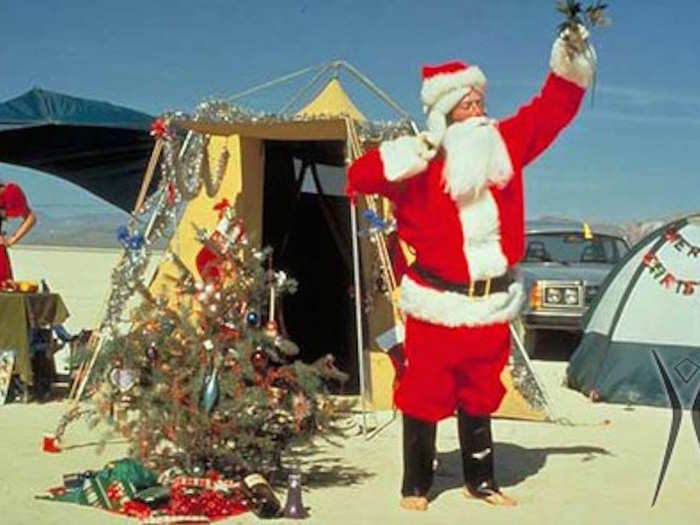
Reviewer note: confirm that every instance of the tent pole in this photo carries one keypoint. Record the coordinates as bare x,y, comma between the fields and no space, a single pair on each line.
554,414
148,176
304,89
358,314
276,81
374,88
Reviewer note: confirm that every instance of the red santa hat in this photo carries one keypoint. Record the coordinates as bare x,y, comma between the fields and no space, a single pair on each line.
443,87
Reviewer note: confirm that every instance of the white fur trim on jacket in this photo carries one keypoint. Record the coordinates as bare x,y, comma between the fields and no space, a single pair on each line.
476,156
454,309
437,85
404,157
481,232
577,67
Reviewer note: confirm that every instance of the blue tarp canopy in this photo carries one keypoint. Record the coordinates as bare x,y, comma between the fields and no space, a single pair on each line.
99,146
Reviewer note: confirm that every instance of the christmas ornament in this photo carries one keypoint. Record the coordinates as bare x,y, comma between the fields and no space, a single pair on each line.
259,361
270,329
129,241
122,379
229,332
294,508
160,130
152,353
252,318
168,327
231,358
210,392
229,231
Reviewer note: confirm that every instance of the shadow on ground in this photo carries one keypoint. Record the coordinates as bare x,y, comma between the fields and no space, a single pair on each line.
556,345
514,464
333,472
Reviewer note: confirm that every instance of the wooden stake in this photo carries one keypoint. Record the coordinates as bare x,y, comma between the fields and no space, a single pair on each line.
148,176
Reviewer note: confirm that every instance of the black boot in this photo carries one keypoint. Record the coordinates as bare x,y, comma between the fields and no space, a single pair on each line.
418,455
476,444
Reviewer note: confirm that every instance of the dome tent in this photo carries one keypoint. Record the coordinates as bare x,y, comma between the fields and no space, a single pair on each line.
642,334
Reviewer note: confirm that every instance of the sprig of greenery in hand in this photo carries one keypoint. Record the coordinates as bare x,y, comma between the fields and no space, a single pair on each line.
577,17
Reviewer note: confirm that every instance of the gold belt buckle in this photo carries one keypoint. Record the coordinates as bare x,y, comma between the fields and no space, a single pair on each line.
487,288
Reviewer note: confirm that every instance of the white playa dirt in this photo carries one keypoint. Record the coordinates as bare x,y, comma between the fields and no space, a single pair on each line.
589,472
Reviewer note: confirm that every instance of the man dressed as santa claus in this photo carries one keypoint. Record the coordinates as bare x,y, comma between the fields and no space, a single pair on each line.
457,191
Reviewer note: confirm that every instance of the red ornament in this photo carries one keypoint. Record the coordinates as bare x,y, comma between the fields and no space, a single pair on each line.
229,331
160,130
171,194
221,207
259,361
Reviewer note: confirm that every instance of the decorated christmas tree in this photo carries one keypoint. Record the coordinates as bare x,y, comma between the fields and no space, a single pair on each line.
208,382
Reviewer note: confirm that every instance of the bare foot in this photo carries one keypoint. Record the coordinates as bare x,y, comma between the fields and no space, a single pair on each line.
493,498
414,503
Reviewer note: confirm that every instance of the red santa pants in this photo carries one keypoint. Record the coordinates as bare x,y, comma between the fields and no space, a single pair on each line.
448,368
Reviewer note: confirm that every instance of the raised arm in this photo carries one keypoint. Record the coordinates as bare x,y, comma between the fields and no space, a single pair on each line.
535,126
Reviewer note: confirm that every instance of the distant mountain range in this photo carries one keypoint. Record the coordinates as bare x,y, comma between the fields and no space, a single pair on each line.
99,230
94,230
633,230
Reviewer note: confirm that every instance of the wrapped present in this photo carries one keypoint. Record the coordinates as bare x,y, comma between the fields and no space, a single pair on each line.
120,492
132,471
137,509
179,520
95,493
197,501
106,493
64,495
76,480
153,496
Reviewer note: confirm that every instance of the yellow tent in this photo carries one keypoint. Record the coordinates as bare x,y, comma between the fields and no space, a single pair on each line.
266,167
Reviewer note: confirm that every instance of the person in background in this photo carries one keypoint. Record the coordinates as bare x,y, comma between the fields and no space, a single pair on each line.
13,204
457,191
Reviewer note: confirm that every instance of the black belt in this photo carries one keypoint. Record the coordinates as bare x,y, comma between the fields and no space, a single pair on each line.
481,288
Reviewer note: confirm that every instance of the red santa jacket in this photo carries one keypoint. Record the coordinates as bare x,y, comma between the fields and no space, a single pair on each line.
463,238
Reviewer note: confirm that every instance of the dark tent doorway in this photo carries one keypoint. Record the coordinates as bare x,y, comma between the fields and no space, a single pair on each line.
306,220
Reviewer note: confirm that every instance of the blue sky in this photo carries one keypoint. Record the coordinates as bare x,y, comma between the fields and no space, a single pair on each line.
631,154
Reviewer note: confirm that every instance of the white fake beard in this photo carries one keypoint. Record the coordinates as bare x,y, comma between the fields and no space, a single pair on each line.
475,157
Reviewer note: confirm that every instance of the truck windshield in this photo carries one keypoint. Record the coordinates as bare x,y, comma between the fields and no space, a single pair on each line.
569,248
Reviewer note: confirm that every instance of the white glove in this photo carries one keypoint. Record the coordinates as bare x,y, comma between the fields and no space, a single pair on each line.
405,156
573,57
427,148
